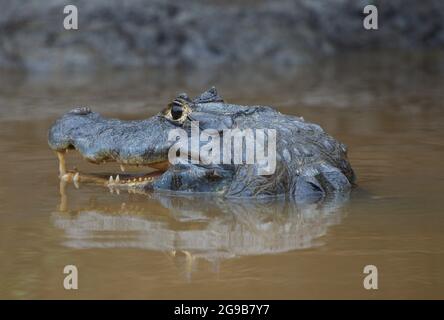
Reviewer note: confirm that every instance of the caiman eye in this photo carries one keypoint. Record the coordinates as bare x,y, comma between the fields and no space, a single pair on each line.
176,112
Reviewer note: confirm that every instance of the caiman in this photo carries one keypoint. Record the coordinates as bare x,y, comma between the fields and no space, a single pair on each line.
309,163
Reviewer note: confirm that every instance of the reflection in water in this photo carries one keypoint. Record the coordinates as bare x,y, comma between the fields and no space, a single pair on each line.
388,111
191,227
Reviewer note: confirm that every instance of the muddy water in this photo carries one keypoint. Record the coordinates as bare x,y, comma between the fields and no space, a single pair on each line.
390,114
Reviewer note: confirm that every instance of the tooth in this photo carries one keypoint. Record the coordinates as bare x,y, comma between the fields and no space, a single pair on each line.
122,168
134,180
118,191
75,180
62,163
117,179
111,180
140,179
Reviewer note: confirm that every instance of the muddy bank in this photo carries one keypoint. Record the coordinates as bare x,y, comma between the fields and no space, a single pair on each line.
139,33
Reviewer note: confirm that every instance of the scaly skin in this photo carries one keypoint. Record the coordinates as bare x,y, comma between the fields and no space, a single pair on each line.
310,164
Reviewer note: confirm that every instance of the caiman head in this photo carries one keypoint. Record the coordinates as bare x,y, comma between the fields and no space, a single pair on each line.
307,160
141,143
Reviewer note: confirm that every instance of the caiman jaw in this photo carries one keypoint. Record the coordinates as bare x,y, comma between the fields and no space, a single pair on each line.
114,181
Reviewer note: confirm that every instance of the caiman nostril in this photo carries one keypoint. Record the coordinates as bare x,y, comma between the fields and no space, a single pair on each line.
81,111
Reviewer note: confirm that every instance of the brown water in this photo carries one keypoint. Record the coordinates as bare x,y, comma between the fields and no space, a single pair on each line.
390,112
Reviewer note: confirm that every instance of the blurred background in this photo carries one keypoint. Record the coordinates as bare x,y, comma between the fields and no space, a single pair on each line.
130,54
378,91
199,34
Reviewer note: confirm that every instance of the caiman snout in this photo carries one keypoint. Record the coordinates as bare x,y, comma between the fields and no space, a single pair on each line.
100,140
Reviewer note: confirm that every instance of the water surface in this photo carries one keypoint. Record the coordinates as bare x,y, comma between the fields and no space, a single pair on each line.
390,113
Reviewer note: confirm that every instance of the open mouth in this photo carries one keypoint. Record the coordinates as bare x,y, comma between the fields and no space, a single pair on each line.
121,180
